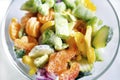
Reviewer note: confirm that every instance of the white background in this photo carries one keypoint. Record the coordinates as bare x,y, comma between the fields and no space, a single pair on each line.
8,72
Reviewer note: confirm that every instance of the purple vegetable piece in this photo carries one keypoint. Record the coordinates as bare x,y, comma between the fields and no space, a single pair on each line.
42,74
59,1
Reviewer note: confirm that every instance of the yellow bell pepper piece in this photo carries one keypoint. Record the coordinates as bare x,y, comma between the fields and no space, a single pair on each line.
90,5
90,51
32,70
91,55
29,61
46,26
80,41
88,35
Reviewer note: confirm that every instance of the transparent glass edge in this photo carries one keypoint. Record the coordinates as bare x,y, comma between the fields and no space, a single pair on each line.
5,46
115,7
116,11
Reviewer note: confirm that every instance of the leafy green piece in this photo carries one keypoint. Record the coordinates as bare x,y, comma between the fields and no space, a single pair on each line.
85,66
41,6
58,44
48,37
71,26
41,50
98,55
61,26
60,7
21,33
44,9
43,1
19,52
70,3
95,21
50,3
41,61
31,5
82,12
82,74
69,16
79,2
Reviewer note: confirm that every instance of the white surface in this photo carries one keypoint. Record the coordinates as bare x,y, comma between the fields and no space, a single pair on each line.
8,72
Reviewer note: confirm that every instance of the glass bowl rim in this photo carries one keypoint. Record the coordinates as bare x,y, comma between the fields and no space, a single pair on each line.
27,76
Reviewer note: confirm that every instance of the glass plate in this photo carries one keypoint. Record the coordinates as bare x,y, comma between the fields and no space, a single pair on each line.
107,10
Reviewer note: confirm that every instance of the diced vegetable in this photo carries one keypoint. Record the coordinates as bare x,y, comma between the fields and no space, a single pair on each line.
43,19
31,5
60,7
61,26
98,55
50,3
41,61
59,39
95,21
32,70
40,50
71,26
43,1
43,74
82,12
69,16
85,66
90,5
37,6
88,36
46,26
48,37
101,41
29,61
44,9
91,55
21,32
81,43
79,2
90,51
19,52
70,3
58,44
